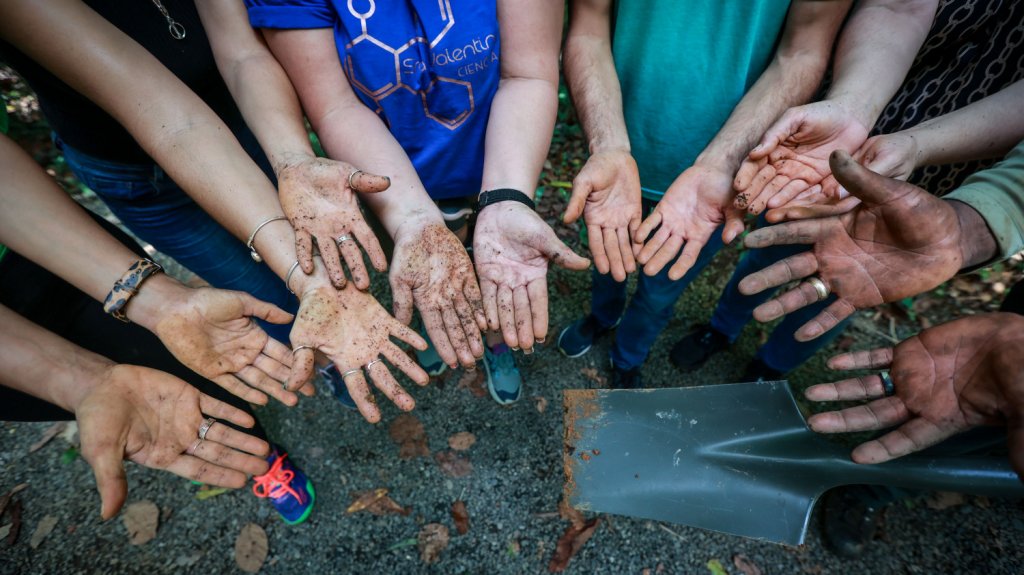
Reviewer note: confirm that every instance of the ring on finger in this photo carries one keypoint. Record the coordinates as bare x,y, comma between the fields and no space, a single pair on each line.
887,384
195,445
343,238
301,347
819,286
350,372
352,175
205,427
369,365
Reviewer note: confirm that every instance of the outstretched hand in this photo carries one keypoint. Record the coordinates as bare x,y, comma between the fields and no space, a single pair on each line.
213,333
606,193
946,379
152,418
696,203
512,247
901,241
321,205
432,271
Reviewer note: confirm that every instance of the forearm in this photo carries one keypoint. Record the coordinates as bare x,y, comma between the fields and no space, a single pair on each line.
519,134
977,244
44,365
875,51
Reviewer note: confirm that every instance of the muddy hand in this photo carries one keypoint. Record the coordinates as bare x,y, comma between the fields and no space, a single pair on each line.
944,380
214,334
318,196
351,328
432,271
512,247
153,418
696,203
607,193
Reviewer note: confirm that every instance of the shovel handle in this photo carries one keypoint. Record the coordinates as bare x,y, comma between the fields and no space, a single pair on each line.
989,476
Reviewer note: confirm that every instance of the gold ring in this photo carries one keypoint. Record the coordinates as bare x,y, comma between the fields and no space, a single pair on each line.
352,175
819,286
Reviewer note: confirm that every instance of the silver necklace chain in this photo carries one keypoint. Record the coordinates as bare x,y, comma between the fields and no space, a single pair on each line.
173,26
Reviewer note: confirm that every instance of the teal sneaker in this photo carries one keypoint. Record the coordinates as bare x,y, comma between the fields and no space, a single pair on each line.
331,377
428,358
287,487
503,379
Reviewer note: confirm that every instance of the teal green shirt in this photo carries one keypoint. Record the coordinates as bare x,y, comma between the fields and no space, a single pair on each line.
683,66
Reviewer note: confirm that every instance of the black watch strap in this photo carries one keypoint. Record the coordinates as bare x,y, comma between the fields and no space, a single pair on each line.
503,195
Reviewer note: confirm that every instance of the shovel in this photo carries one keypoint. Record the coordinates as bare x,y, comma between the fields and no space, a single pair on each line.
738,459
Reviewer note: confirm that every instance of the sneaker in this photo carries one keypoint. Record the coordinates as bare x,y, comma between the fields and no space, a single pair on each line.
757,371
503,379
577,339
428,358
696,347
331,378
287,487
626,378
850,519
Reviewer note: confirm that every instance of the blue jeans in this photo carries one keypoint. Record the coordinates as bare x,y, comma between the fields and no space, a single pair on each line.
155,209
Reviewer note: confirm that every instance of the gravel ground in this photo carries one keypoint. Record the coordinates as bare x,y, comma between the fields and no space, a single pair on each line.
512,492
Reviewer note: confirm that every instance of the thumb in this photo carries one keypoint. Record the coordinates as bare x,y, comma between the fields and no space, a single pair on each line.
782,129
581,188
861,182
556,251
263,310
366,183
110,480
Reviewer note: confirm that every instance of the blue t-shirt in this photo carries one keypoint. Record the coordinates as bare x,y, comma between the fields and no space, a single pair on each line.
429,68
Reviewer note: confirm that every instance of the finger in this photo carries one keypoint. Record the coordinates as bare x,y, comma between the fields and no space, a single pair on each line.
611,245
780,273
537,290
791,190
489,291
862,182
238,440
366,183
273,368
434,322
105,458
686,259
278,352
402,301
853,389
403,362
253,307
332,260
354,260
556,251
802,295
653,244
302,368
507,316
217,409
238,388
915,435
826,320
459,341
471,290
371,245
595,238
757,185
304,250
626,250
734,225
408,335
202,471
788,233
581,188
668,252
523,318
388,385
811,211
865,359
220,455
757,204
365,402
878,414
467,317
258,379
748,169
648,225
787,125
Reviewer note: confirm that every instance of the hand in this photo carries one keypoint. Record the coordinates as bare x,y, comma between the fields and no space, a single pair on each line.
213,333
351,328
793,155
900,242
152,418
694,205
316,197
432,270
947,379
512,247
607,193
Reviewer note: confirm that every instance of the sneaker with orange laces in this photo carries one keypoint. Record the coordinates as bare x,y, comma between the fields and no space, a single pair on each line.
287,487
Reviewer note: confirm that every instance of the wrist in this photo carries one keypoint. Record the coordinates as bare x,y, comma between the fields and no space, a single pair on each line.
716,163
300,284
155,300
281,161
415,222
977,244
86,372
615,144
856,106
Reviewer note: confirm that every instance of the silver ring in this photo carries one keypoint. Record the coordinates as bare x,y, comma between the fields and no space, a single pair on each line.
205,427
819,286
350,372
192,448
371,363
352,175
296,350
343,238
887,384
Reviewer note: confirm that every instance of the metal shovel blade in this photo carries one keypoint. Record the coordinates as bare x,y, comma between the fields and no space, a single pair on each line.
738,459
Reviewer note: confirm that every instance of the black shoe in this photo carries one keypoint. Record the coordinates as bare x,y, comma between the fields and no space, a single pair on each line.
696,347
626,378
757,371
850,519
578,337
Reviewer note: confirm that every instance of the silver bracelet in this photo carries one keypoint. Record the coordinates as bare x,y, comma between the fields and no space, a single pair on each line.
252,250
288,278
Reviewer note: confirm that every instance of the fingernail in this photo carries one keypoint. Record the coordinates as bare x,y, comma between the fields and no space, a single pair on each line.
541,339
528,351
515,349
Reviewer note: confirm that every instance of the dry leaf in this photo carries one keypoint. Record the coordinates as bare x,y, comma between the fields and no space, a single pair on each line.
452,464
945,500
541,403
251,548
5,530
745,565
473,380
407,431
593,375
7,496
141,519
376,501
12,535
461,441
570,543
46,525
460,515
51,432
432,539
567,512
204,494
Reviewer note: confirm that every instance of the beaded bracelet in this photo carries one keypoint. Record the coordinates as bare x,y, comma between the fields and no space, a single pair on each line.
128,286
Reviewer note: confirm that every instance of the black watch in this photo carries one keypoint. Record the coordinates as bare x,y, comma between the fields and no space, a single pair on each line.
503,195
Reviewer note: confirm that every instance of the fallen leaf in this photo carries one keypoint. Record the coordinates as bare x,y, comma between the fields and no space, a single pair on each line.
567,512
716,568
7,496
541,403
12,535
563,287
4,530
205,494
46,525
251,548
452,464
460,515
593,375
945,500
745,565
513,548
473,381
461,441
377,502
51,432
407,431
432,540
404,543
569,544
141,519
